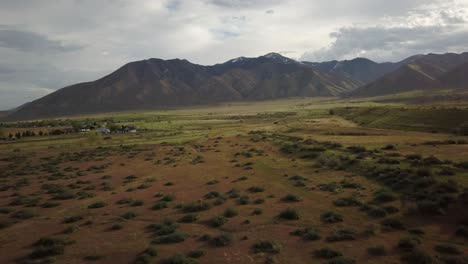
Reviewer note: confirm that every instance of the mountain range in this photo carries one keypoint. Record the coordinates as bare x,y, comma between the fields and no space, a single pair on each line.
156,83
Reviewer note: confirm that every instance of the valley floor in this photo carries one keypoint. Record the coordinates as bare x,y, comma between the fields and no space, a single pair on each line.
277,182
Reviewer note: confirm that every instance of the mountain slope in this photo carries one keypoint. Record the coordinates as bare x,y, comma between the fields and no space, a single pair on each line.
360,69
456,78
418,72
156,83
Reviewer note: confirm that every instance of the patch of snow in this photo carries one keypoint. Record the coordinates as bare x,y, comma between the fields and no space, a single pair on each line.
337,65
237,59
280,58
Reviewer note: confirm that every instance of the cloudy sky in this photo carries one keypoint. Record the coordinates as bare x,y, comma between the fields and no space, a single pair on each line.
46,45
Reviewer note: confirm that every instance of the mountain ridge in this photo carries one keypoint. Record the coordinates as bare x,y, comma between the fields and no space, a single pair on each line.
419,72
156,83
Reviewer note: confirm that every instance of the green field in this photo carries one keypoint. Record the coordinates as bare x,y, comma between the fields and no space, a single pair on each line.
302,180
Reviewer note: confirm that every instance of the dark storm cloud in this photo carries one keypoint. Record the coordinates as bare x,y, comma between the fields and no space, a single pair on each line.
32,42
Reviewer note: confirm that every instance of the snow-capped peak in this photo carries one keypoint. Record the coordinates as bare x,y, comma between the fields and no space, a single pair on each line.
279,58
237,59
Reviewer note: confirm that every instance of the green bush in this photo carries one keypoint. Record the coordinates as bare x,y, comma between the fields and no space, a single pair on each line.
289,214
137,203
328,187
146,256
218,221
259,201
342,234
416,231
72,219
93,258
346,201
222,240
166,227
255,189
384,196
195,207
47,247
423,172
340,260
189,218
230,212
391,223
311,234
390,209
243,200
327,253
219,201
50,205
151,252
129,215
6,223
416,257
159,205
427,207
408,243
96,205
448,249
5,210
331,217
143,186
233,193
462,231
70,229
64,196
212,182
125,201
257,211
116,227
373,210
168,198
23,214
291,198
197,253
356,149
212,195
377,251
175,237
389,147
242,178
178,259
297,178
266,246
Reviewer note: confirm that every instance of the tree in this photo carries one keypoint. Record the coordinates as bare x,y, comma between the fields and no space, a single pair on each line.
113,127
76,125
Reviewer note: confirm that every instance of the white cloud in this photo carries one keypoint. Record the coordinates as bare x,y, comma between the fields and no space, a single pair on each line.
435,27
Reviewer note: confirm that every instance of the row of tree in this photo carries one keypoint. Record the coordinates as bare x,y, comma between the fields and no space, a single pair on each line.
26,133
